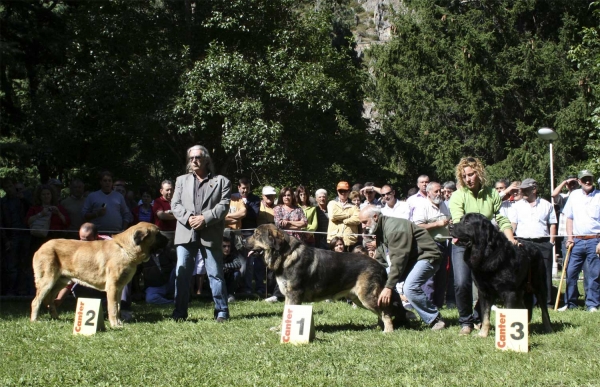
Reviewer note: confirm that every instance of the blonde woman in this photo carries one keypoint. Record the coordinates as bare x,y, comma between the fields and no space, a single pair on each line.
472,195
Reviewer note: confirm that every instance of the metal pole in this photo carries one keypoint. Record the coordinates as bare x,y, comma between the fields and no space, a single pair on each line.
554,262
551,173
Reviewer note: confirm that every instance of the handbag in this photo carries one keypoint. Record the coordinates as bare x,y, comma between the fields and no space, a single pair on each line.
40,226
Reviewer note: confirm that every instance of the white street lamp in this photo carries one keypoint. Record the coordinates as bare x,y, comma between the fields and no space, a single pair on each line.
550,135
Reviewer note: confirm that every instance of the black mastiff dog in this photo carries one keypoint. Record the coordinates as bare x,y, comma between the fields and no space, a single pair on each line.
500,269
306,274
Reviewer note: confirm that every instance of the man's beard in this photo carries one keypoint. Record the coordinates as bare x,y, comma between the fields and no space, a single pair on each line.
436,200
372,228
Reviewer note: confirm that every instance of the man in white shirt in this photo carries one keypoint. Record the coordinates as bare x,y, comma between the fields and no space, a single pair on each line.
583,233
420,196
393,207
433,215
534,220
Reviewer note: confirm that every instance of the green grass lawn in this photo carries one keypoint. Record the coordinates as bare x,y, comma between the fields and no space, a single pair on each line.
348,351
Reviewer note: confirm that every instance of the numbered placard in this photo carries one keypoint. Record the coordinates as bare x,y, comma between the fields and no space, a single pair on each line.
512,330
297,325
89,317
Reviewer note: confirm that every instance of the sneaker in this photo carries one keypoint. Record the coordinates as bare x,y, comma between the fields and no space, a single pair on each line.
231,299
438,324
592,309
407,305
221,319
465,331
411,315
271,299
564,308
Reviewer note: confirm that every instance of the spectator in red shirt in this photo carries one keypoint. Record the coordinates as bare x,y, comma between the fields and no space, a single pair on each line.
163,217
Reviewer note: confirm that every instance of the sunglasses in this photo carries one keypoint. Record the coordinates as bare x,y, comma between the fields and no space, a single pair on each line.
342,191
586,179
386,193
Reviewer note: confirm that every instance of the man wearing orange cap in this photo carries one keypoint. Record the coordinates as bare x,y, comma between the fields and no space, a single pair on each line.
343,217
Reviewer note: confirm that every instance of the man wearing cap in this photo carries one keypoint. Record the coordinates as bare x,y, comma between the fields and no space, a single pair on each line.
343,217
255,268
534,220
266,214
583,234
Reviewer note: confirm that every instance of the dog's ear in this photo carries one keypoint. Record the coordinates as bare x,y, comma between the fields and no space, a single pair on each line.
278,239
140,235
274,239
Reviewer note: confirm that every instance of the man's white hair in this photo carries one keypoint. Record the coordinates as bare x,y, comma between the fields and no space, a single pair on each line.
371,210
320,191
204,153
431,185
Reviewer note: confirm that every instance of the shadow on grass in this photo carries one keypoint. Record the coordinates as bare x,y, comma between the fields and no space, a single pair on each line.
538,328
257,315
330,328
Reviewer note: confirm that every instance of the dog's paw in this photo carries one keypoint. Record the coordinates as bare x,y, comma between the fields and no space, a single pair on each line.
275,329
483,333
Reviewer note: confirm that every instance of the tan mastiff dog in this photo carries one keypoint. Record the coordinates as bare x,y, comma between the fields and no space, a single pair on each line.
106,265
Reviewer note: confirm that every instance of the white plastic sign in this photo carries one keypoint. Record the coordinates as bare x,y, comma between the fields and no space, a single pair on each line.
297,325
89,317
512,330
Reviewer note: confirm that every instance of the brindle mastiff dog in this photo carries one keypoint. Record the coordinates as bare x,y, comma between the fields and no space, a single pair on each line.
106,265
306,274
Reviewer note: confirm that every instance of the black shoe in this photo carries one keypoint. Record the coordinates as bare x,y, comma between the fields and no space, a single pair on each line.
221,319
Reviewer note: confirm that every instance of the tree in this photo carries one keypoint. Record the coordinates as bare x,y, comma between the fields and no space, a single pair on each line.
587,56
271,94
479,78
272,88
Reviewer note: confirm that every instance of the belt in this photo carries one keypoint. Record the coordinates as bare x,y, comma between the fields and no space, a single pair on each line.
588,237
537,240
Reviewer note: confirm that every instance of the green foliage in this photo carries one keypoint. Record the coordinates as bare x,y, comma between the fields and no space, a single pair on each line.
128,86
278,100
587,56
479,78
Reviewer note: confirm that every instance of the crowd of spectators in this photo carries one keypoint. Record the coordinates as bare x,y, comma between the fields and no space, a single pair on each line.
31,217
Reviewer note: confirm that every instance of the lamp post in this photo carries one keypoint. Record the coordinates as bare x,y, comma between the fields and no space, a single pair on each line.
548,134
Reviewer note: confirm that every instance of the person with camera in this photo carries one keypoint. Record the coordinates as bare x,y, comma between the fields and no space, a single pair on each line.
106,208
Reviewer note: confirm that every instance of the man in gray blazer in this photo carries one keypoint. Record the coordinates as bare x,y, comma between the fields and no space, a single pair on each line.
200,203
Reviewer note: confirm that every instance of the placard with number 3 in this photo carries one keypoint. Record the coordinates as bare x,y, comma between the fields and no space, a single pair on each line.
512,330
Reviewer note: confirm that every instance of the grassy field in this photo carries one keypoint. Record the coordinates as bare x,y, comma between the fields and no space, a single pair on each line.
348,351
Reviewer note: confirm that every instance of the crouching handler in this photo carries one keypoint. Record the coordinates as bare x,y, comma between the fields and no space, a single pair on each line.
408,251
